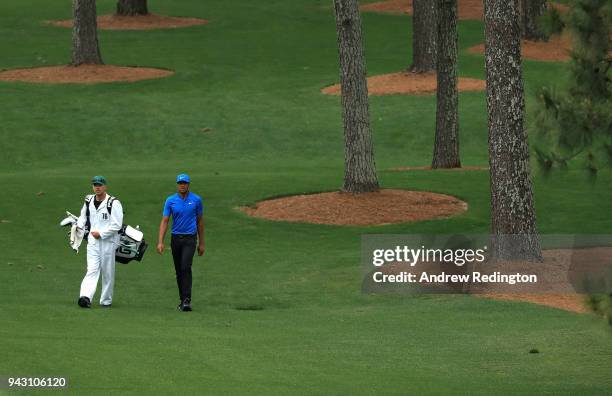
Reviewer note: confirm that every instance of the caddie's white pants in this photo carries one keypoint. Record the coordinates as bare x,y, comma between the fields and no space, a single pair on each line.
100,259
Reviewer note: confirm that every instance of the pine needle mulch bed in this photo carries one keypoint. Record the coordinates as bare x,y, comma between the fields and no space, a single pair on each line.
556,49
408,83
376,208
559,276
467,9
138,22
567,302
84,74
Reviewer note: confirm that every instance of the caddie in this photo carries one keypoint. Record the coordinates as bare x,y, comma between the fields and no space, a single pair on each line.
102,215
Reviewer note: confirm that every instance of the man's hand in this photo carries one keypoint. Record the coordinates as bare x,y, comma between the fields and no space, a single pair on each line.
95,234
160,247
200,249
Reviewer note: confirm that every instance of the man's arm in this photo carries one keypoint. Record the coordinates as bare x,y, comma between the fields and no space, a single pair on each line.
163,227
82,217
200,235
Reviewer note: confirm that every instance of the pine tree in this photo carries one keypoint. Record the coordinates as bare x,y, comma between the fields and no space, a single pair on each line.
359,167
85,48
446,142
533,11
132,7
513,219
424,34
576,123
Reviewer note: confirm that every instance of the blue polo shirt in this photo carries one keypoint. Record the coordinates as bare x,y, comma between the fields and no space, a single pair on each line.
184,212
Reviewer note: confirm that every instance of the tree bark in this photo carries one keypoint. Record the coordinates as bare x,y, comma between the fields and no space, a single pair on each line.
359,166
132,7
513,219
424,32
446,145
532,10
85,49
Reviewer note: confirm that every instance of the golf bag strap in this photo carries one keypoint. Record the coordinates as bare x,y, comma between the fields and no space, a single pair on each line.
88,199
109,204
109,207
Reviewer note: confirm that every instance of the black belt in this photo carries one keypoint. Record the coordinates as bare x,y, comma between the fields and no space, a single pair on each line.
184,235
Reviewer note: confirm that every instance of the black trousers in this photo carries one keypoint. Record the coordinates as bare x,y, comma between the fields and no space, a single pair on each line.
183,249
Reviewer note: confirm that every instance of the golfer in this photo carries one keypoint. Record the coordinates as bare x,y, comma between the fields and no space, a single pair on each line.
185,208
102,215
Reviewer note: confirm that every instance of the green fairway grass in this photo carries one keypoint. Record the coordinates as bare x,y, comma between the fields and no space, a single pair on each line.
277,306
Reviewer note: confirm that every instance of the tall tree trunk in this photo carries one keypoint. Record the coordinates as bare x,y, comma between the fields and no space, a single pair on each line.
513,219
359,167
424,32
532,11
85,49
132,7
446,145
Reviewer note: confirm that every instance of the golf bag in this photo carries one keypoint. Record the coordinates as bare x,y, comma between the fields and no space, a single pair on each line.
131,246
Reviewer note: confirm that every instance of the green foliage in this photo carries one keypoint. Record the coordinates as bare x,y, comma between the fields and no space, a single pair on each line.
552,22
590,22
577,122
571,126
602,304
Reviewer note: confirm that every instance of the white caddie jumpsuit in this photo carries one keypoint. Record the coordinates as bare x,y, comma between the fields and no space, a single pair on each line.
101,252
